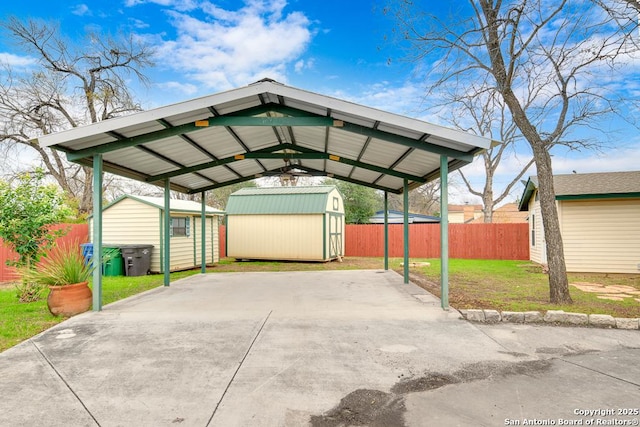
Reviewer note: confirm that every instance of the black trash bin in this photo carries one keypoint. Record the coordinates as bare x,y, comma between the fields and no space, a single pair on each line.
137,259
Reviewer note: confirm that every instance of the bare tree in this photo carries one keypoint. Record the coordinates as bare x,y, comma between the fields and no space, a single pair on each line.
553,56
482,112
424,199
66,86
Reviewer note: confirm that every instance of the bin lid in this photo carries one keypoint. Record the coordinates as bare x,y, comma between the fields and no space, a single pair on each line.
142,246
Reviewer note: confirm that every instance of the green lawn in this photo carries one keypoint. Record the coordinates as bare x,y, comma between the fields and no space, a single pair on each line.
20,321
500,285
522,286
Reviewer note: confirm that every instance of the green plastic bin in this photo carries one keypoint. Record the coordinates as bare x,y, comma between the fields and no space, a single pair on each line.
112,264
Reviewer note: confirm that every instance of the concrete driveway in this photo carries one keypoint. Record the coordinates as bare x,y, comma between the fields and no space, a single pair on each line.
330,348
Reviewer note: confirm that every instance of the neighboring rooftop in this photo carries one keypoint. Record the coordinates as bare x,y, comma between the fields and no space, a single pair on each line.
397,217
506,214
587,185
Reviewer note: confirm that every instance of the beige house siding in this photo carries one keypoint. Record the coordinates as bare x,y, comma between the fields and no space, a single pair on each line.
537,248
132,222
456,217
287,237
601,235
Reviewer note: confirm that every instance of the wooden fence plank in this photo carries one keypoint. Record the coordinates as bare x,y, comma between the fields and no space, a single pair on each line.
77,233
471,241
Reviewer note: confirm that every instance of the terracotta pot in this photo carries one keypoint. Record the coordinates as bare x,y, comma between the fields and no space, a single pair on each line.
69,300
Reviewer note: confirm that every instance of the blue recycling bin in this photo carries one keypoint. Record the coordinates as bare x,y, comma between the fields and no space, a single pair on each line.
87,252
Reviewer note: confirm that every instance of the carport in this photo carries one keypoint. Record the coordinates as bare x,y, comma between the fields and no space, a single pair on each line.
266,129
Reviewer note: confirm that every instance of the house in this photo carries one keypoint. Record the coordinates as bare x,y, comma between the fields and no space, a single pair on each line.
599,217
138,220
286,223
462,214
505,214
397,217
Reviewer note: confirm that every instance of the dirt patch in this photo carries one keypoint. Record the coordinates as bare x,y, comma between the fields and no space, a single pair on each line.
348,263
365,407
611,292
7,285
431,381
456,298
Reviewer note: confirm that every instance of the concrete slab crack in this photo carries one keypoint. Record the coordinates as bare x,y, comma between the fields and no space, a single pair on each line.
64,381
600,372
238,368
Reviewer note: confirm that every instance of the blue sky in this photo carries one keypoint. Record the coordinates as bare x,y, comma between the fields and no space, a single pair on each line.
338,48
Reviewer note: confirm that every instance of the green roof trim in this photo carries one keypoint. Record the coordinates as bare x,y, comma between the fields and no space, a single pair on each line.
279,200
598,196
177,206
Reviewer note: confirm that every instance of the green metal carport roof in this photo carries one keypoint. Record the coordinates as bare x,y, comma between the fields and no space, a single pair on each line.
279,200
263,129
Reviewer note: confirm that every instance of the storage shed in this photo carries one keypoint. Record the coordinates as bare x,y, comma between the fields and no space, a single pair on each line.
599,224
139,220
286,223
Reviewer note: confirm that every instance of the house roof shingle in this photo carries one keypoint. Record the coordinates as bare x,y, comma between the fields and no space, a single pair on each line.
587,184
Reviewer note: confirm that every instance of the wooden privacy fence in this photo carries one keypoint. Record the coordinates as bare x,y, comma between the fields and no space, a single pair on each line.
471,241
77,233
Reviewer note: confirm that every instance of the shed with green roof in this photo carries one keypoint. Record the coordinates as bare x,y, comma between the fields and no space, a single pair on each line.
286,223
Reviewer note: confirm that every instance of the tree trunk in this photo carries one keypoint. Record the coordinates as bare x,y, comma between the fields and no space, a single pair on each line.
86,198
487,197
558,282
488,210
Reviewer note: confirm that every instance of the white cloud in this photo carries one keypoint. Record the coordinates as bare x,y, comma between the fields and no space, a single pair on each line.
184,88
180,5
230,48
138,23
16,61
400,99
302,65
81,10
617,160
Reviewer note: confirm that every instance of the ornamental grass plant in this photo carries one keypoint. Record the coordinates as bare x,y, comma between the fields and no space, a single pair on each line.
63,265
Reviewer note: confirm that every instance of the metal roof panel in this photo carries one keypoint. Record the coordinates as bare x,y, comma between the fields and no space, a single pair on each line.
279,200
390,136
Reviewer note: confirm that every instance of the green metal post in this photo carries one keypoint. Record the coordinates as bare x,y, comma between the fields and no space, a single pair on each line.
203,220
97,232
405,193
386,230
167,235
444,232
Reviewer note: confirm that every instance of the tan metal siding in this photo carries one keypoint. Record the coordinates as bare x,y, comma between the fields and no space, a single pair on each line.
181,249
334,194
212,244
286,237
537,252
601,235
132,222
